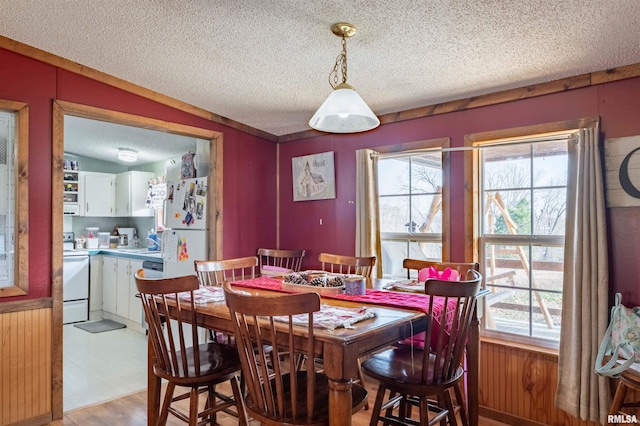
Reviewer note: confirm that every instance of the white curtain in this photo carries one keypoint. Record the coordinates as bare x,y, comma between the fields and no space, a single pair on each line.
580,392
367,218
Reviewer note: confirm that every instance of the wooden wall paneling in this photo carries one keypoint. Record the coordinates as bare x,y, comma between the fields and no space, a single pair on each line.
518,386
25,365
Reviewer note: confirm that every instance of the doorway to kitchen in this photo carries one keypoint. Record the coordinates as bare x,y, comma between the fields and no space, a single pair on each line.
99,367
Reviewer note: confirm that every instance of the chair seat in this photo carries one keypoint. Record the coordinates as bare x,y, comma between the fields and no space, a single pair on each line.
218,363
629,379
321,398
400,369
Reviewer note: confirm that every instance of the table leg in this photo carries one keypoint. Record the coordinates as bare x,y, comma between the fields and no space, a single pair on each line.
473,365
153,387
339,403
339,386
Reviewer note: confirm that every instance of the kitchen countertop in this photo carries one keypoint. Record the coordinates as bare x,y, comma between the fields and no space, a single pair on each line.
139,253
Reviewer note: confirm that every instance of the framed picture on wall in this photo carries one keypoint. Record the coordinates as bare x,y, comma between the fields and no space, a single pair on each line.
314,177
622,168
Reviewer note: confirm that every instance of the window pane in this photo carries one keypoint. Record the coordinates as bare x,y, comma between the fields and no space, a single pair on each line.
394,214
520,305
426,173
425,250
547,268
393,176
550,164
393,253
8,146
506,167
508,212
550,208
426,213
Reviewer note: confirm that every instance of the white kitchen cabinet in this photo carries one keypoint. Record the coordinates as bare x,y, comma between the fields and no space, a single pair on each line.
97,194
109,287
131,193
95,286
135,304
122,288
119,288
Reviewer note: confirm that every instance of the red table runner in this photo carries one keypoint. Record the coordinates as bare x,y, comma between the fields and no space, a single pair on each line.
394,299
416,301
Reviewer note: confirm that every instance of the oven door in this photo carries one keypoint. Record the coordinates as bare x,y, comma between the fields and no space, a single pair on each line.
75,278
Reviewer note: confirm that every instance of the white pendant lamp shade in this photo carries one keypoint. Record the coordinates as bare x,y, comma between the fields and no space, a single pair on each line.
344,111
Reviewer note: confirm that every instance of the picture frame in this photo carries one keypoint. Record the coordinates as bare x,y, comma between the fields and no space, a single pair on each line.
314,177
622,171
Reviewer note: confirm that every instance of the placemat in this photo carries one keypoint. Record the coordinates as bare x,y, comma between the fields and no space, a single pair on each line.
332,317
203,295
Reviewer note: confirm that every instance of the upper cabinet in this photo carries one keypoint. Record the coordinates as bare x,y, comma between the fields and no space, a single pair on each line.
97,194
131,193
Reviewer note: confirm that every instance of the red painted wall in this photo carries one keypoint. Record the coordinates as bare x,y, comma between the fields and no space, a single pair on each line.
618,105
249,209
250,166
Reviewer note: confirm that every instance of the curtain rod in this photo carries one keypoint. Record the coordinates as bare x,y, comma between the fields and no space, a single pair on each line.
519,141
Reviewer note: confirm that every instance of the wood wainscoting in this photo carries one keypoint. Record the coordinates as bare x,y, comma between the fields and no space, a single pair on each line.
25,366
518,386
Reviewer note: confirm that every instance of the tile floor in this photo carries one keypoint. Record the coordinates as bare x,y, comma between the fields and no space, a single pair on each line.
103,366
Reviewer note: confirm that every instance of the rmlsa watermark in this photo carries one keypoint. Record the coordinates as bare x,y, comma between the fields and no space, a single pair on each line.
622,419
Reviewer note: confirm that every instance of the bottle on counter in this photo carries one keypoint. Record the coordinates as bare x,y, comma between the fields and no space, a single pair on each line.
152,240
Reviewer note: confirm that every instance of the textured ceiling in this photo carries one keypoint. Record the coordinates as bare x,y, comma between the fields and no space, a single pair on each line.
265,63
101,140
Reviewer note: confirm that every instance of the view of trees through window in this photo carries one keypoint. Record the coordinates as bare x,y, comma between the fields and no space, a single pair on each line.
523,190
410,198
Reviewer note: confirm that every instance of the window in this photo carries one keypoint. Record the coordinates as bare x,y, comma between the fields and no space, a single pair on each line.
522,197
14,195
410,209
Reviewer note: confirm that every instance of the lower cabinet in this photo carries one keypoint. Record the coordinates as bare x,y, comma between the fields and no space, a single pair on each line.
109,276
119,288
95,286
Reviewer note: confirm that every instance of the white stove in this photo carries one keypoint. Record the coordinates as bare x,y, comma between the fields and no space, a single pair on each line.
75,279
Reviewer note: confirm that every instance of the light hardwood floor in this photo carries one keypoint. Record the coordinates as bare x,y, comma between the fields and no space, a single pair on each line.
131,411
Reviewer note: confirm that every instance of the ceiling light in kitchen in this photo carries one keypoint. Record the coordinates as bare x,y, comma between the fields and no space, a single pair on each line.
128,155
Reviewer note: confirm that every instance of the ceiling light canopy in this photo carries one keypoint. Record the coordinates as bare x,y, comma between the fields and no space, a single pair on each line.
344,111
128,155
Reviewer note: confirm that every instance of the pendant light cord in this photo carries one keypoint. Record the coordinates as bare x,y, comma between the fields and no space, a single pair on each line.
341,64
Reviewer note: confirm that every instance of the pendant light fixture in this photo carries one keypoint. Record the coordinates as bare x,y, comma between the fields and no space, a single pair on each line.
128,155
344,111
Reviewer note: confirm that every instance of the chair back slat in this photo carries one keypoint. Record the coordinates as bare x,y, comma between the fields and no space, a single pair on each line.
451,306
216,272
277,391
288,259
339,264
168,333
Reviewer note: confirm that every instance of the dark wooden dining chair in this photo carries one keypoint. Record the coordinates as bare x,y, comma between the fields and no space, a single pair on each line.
290,396
215,272
418,264
463,269
425,377
180,358
339,264
287,259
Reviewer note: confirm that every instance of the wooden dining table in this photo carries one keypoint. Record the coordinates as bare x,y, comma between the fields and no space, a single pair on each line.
340,348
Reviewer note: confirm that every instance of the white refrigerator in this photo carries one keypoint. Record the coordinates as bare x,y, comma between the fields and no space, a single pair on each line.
186,234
